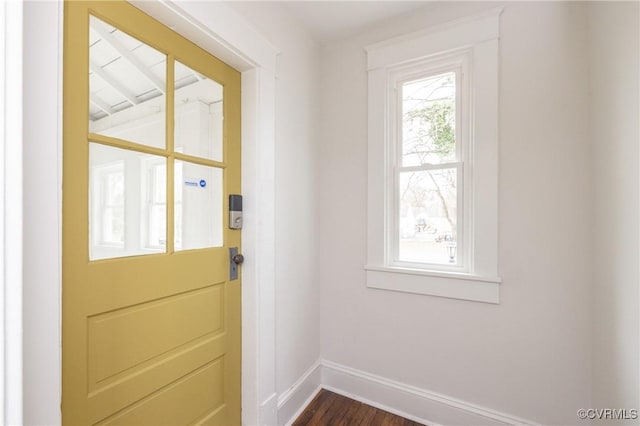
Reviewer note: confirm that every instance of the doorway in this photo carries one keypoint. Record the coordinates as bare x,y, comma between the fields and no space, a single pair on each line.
151,130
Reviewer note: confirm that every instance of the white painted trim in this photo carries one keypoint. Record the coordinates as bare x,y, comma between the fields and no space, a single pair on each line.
409,401
428,273
11,224
215,27
292,402
448,36
3,208
284,397
379,406
434,285
303,406
258,245
267,411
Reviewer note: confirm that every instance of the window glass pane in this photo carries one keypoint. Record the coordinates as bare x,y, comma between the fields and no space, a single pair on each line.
127,84
198,206
198,110
127,203
428,216
428,120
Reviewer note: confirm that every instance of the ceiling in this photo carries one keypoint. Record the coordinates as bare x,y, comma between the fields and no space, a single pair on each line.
329,21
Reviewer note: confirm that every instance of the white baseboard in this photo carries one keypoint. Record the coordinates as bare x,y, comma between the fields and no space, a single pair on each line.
379,406
417,404
268,413
293,402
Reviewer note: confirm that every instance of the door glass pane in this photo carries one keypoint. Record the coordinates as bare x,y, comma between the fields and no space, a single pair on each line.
198,110
429,120
198,206
127,84
127,203
428,216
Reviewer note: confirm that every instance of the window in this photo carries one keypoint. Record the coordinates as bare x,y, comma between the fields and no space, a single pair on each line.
429,146
127,207
156,218
433,135
110,204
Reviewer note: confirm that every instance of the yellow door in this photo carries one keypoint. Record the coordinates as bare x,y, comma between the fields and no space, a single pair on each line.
151,319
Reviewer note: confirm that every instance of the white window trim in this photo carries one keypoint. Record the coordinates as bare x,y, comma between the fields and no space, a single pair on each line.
477,37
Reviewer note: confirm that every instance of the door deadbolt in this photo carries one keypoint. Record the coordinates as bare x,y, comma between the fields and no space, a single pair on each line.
235,211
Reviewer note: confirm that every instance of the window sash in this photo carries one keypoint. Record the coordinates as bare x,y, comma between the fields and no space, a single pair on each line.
394,241
156,200
103,206
456,64
397,116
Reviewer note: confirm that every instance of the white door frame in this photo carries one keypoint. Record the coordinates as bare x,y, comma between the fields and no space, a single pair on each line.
223,32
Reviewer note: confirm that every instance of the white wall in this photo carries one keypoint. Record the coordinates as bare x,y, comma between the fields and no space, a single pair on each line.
41,285
297,294
530,356
614,41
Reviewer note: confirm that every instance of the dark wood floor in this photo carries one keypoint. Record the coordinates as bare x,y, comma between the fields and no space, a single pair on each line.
330,409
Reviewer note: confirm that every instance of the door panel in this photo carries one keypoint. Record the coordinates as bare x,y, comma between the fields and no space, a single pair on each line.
151,324
198,392
143,331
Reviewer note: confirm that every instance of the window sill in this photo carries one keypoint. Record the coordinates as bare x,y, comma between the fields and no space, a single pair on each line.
435,283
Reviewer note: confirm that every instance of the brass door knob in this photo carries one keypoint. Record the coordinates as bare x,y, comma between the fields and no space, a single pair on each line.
238,259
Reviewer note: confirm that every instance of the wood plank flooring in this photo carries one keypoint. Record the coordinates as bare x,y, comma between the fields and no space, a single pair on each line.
330,409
